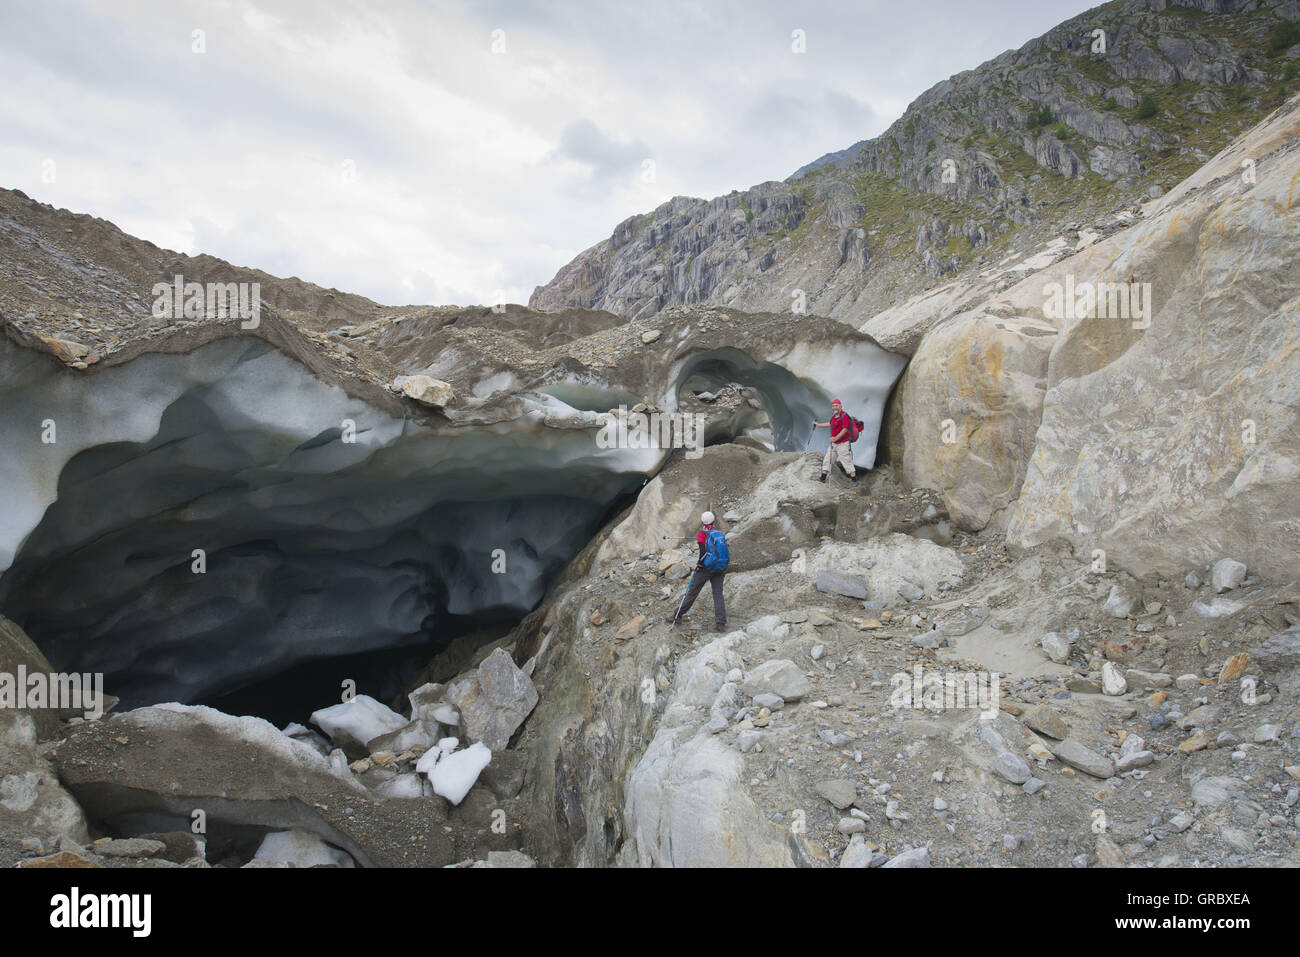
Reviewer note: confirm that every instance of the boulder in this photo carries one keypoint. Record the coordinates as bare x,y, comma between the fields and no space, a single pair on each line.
974,391
1047,721
780,677
425,390
494,701
1056,647
912,857
179,759
688,806
353,724
1121,602
833,583
1227,574
1078,756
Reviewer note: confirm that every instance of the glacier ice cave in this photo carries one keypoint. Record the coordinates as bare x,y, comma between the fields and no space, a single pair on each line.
193,523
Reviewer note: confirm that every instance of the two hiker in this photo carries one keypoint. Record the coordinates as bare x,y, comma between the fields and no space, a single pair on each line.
844,429
711,567
714,555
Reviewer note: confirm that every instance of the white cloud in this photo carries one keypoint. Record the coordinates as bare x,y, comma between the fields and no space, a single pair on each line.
470,171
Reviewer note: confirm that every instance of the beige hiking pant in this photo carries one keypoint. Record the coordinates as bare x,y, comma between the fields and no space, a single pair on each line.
842,451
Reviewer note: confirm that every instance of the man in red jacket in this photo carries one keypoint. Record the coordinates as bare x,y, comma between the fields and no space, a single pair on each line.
840,448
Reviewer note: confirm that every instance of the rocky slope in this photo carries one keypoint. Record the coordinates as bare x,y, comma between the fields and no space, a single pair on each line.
1056,136
1127,728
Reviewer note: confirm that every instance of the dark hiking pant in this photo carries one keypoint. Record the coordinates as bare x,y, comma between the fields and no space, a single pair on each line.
697,585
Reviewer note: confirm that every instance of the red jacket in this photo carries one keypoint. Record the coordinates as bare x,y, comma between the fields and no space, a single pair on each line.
840,422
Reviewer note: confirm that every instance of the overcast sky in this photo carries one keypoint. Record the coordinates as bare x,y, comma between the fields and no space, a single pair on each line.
442,152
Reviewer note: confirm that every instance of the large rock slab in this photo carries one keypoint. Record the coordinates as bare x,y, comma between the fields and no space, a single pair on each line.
1179,443
494,702
1080,756
780,677
834,583
688,807
891,565
974,395
245,776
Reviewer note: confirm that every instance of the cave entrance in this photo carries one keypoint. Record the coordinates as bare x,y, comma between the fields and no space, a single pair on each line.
787,404
195,568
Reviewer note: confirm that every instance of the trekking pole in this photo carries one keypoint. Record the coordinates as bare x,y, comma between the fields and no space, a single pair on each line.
677,617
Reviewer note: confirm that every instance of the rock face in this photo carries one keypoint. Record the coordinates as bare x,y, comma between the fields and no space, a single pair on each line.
968,172
33,803
1180,442
1160,431
495,702
686,801
975,392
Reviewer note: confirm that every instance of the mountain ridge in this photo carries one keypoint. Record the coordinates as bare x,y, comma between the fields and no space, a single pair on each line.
1061,140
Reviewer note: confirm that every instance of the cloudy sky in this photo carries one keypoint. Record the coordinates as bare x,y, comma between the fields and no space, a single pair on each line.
443,152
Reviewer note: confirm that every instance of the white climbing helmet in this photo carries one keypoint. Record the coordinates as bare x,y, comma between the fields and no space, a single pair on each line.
706,518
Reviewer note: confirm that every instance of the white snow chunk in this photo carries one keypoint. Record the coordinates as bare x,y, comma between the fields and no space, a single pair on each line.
362,718
430,757
447,715
455,774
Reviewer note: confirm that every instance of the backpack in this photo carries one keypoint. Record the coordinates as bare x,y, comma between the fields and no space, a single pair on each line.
716,554
855,428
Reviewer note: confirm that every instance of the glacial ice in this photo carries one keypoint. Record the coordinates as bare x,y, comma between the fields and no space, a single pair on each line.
301,849
794,388
455,774
314,547
359,719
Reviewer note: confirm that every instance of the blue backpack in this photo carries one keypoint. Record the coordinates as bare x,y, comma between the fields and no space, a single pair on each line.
716,554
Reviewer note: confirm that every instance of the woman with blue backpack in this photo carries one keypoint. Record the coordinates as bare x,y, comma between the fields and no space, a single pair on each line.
714,558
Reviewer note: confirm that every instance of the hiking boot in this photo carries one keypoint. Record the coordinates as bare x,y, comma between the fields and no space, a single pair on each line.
672,619
719,627
853,482
823,477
